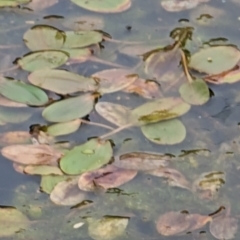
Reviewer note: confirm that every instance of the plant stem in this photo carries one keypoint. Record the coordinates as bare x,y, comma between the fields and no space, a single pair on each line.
96,124
184,62
116,131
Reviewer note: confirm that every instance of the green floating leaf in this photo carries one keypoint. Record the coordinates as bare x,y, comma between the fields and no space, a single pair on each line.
42,170
81,55
12,221
69,109
113,80
196,93
107,228
81,39
114,113
12,3
159,110
42,60
215,60
61,81
167,132
43,37
13,115
21,92
105,6
49,182
86,157
64,128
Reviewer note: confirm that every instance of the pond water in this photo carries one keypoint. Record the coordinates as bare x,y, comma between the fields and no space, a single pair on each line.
119,119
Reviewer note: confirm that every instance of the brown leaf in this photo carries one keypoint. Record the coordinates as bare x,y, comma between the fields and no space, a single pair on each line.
67,193
38,5
141,160
107,177
224,227
14,137
175,178
9,103
32,154
197,221
145,88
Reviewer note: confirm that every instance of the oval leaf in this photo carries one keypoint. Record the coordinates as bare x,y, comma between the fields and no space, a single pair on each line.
42,59
105,6
67,193
107,177
113,80
42,170
166,132
21,92
69,109
81,39
32,154
114,113
159,110
196,93
86,157
64,128
43,37
61,81
215,60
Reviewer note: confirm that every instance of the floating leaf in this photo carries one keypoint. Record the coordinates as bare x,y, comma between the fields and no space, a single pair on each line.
81,39
224,227
21,92
42,59
164,65
215,60
89,156
141,161
113,80
177,223
64,128
15,137
145,88
114,113
159,110
69,109
80,55
12,221
12,3
107,177
42,170
32,154
177,6
38,5
43,37
49,182
172,223
86,22
13,115
8,103
196,93
67,193
61,81
107,228
175,178
166,132
105,6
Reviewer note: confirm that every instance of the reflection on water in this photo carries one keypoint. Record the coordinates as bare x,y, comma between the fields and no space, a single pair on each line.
174,162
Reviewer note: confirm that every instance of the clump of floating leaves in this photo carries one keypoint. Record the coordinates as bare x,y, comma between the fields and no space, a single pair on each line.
170,81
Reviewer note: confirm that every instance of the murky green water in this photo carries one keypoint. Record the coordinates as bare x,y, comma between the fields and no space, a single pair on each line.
212,128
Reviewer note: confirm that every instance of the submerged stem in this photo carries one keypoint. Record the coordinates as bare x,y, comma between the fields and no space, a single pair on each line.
184,61
96,124
116,131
